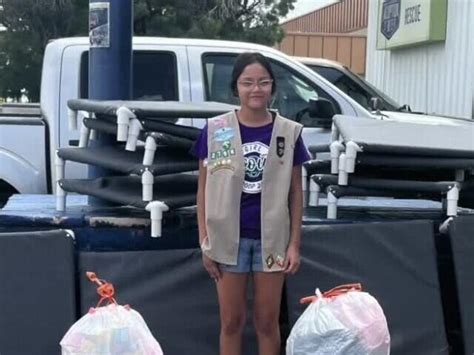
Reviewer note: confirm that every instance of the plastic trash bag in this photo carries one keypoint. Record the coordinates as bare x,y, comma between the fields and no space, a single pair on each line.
109,330
342,321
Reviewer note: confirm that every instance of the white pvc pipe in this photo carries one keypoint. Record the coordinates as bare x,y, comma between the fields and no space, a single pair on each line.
335,149
84,137
124,115
343,177
147,186
332,206
156,209
351,153
60,198
93,134
60,193
304,185
150,149
453,197
334,133
72,119
314,190
133,133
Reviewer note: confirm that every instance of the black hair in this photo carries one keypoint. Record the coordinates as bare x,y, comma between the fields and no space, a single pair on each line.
241,63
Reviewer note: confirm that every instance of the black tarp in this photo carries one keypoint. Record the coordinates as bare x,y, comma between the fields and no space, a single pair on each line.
461,235
37,293
172,292
394,261
168,160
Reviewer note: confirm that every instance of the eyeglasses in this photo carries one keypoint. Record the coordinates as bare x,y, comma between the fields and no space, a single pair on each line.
262,84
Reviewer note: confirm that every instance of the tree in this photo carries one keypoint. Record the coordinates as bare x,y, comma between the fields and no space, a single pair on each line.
30,24
246,20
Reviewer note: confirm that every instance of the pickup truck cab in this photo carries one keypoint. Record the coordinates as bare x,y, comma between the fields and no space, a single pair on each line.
189,70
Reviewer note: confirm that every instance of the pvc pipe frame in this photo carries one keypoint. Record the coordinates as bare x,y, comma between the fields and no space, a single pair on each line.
124,115
335,149
314,190
156,209
84,137
133,132
351,153
86,133
332,206
452,198
72,119
60,193
343,176
334,133
150,149
147,186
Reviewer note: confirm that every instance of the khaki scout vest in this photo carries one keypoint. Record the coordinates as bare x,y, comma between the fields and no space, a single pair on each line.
225,179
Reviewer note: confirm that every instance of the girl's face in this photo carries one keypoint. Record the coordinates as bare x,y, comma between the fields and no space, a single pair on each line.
254,87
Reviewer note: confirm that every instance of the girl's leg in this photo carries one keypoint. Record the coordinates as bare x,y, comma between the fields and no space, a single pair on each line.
268,287
232,293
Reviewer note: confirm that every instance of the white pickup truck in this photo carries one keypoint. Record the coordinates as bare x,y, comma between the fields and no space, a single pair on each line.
187,70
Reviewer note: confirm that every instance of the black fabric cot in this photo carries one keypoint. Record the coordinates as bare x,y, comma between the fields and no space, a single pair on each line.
414,161
171,128
168,160
160,138
151,110
451,138
386,171
177,190
392,184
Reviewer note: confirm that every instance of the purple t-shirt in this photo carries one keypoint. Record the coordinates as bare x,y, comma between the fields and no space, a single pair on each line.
255,145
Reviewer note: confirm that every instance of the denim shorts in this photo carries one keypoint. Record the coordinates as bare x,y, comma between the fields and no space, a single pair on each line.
249,258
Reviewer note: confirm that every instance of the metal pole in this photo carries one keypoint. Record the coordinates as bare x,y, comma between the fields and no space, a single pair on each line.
110,61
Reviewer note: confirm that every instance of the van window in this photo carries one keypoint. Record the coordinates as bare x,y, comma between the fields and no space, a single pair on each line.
292,95
155,76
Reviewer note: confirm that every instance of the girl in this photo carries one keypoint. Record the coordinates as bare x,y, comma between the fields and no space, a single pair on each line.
250,205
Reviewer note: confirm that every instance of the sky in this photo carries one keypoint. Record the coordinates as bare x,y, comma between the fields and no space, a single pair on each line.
305,6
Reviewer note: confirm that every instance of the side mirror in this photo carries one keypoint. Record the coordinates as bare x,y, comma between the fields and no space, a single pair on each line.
322,110
375,104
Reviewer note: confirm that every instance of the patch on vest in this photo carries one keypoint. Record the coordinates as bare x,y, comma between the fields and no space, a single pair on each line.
224,134
221,164
255,157
270,261
280,146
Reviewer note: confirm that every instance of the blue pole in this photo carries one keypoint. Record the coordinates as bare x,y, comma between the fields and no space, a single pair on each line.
110,60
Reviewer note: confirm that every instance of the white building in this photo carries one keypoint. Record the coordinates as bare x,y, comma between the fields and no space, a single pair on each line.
429,60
